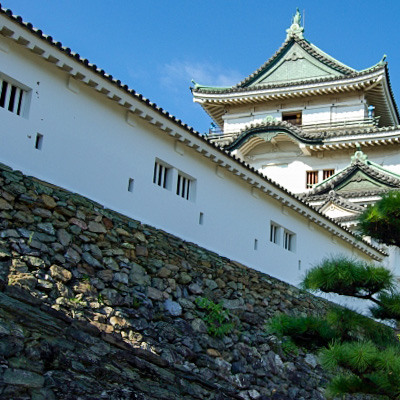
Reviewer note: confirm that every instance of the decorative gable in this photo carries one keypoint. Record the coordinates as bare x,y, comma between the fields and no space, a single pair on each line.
333,210
361,176
295,64
360,181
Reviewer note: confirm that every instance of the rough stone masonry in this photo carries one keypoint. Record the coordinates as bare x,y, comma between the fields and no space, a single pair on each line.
94,305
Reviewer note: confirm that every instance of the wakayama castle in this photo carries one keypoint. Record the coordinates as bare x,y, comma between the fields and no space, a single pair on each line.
298,149
322,129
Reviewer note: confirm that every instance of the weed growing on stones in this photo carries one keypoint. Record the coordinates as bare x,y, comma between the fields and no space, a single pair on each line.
216,318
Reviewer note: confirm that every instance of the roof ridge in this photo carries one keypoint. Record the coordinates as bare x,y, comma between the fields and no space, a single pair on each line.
337,199
238,88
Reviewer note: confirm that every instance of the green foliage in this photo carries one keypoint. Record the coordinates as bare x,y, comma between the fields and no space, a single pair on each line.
381,220
347,277
289,347
367,354
216,318
365,369
388,306
340,325
30,238
351,326
77,300
310,332
100,298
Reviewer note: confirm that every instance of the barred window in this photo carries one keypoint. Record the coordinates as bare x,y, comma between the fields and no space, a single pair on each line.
327,173
12,97
288,240
161,176
274,233
311,179
183,186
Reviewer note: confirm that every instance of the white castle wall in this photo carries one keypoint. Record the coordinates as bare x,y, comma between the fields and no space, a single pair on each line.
292,170
315,111
90,145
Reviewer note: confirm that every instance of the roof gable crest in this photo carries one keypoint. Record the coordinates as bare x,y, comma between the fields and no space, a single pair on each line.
295,29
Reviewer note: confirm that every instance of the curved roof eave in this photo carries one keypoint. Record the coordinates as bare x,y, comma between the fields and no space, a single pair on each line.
292,85
246,134
391,94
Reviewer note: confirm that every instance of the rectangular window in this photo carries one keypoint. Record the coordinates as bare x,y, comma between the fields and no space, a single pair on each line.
294,118
274,233
39,141
311,179
288,240
130,185
201,218
162,175
255,244
11,97
183,186
327,173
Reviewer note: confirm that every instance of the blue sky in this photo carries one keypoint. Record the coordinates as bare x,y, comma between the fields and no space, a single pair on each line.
157,46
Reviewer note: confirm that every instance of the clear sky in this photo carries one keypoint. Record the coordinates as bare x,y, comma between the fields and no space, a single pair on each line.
157,46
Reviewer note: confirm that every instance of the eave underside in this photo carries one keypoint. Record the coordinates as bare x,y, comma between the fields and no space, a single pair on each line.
375,87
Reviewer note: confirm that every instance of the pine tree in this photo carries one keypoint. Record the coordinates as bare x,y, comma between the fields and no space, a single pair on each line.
366,366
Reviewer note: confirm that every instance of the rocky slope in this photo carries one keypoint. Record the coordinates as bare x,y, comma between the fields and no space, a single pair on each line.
94,305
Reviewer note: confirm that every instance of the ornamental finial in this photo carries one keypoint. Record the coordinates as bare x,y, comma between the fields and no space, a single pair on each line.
359,155
295,29
296,18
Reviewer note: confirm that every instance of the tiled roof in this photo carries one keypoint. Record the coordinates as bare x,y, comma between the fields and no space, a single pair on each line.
345,71
337,199
377,173
307,197
309,48
309,137
269,126
238,89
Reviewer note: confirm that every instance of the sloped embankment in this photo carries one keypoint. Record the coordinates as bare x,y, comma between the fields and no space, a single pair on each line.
96,305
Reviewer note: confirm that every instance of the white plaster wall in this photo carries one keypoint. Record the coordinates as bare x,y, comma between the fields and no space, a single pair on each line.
89,148
293,174
314,111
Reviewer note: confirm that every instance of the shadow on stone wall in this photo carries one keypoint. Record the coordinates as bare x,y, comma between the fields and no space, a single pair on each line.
96,305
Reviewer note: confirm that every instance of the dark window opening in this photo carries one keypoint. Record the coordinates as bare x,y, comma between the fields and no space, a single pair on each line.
293,118
311,179
327,173
39,141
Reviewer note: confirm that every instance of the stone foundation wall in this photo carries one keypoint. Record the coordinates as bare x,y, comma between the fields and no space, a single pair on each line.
95,305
